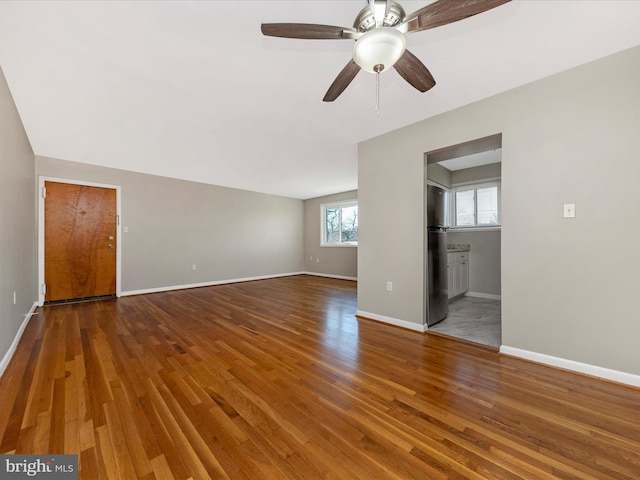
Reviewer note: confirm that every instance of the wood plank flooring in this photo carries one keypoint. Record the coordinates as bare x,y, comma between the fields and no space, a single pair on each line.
277,379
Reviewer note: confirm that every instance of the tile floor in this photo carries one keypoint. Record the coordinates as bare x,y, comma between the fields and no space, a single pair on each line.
473,319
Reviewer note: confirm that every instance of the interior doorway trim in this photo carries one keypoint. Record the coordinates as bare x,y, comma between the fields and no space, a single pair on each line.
41,182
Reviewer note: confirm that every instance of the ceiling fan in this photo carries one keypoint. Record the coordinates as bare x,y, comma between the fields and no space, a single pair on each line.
379,31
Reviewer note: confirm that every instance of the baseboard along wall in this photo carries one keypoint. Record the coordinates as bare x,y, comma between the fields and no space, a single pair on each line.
565,364
489,296
14,345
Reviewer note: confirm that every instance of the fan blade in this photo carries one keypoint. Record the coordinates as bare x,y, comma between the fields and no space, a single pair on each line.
342,81
308,31
444,12
414,72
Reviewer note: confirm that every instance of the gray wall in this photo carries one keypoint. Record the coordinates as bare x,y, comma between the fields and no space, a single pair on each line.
484,259
17,221
439,174
567,291
474,174
447,178
335,261
227,233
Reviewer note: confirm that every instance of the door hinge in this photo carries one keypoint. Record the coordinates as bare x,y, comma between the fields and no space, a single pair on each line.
44,192
44,289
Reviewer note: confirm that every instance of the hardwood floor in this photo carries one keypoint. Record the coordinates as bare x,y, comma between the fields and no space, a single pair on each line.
277,379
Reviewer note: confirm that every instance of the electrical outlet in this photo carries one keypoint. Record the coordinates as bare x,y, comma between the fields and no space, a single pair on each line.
389,286
193,267
317,260
569,210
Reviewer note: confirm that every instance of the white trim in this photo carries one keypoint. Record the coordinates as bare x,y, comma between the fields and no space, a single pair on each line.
436,184
12,348
593,370
470,229
323,222
489,296
475,186
41,181
339,277
341,203
205,284
393,321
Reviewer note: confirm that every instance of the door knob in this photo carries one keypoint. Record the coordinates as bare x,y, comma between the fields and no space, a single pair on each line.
111,245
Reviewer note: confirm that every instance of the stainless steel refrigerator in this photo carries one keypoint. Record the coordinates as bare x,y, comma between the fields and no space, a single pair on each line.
437,290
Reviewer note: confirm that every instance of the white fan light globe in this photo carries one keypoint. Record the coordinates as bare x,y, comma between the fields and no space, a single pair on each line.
379,46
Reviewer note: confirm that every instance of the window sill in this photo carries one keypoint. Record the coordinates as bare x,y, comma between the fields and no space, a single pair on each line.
495,228
332,245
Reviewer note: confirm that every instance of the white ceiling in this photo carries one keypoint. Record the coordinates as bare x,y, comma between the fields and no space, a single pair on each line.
192,90
473,160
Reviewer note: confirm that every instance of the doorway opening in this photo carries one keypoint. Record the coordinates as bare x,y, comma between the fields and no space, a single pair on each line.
471,174
78,241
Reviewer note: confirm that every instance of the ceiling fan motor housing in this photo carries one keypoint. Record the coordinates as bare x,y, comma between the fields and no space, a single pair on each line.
366,19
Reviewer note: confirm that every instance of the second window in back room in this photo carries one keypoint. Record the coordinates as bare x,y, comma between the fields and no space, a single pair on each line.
476,205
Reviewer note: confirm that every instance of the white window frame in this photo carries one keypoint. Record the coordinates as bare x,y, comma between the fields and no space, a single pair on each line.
323,223
475,186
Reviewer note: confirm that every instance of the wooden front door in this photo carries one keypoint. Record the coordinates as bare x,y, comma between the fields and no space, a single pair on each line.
80,226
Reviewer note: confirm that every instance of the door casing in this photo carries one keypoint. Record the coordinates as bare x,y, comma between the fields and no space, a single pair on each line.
41,275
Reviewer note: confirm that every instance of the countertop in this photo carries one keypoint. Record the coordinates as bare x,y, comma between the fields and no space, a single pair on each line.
458,247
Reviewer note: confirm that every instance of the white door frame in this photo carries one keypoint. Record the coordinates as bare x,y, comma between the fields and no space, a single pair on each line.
41,181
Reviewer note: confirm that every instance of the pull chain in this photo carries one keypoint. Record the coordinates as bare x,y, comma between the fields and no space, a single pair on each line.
378,68
378,94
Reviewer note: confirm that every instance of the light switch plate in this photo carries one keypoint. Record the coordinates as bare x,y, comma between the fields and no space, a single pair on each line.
569,210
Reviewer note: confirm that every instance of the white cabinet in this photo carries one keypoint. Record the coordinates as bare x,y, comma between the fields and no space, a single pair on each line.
458,273
464,276
451,260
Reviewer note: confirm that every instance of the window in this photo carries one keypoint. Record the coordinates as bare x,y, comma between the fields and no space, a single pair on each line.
339,224
477,205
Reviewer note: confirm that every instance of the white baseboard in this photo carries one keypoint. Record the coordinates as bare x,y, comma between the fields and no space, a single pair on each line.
593,370
12,348
392,321
222,282
205,284
489,296
339,277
